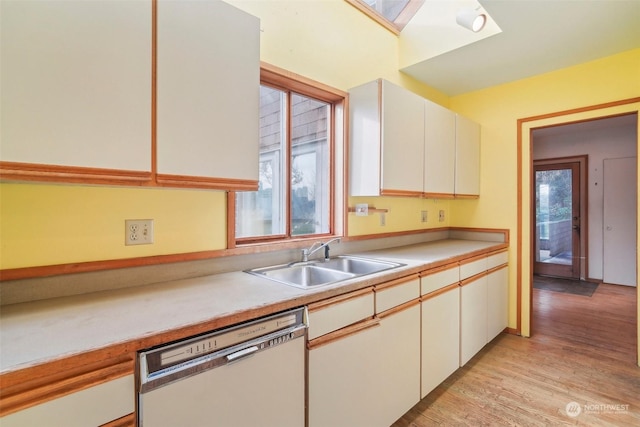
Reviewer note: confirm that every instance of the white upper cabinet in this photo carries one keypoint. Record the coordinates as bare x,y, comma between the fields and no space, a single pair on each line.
439,151
76,83
387,140
208,83
405,145
467,171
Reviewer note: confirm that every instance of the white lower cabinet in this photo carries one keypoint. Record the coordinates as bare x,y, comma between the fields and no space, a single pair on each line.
497,301
343,384
440,337
473,317
398,353
398,356
484,302
92,406
344,335
366,374
367,367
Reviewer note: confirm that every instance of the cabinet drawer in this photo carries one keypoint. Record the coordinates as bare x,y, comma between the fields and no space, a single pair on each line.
335,313
92,406
497,259
440,278
473,267
397,292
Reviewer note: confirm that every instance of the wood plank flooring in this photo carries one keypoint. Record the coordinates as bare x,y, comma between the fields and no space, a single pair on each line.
583,350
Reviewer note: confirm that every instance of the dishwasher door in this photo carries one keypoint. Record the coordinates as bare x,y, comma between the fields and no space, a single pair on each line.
259,382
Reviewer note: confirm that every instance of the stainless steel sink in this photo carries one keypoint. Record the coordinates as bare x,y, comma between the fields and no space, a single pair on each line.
315,273
358,266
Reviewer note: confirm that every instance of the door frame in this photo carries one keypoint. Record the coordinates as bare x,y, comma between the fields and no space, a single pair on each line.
524,128
581,265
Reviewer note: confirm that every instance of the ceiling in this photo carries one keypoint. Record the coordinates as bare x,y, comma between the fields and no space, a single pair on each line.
523,38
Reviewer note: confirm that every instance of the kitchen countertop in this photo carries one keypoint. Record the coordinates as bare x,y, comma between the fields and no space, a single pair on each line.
38,332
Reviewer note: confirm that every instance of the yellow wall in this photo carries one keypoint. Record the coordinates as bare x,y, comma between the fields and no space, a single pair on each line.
498,109
404,214
330,41
59,224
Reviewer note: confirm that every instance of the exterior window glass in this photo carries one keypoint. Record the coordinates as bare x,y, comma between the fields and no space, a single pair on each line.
390,9
309,166
293,198
392,14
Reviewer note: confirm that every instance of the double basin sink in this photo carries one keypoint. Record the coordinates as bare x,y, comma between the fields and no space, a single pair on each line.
323,272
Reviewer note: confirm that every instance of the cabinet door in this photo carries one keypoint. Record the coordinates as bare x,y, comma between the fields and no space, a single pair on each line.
402,140
342,380
93,406
208,91
76,83
439,150
497,302
467,169
365,142
399,364
473,317
440,338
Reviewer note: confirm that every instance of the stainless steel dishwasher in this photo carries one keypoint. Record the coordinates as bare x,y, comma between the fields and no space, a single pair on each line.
251,374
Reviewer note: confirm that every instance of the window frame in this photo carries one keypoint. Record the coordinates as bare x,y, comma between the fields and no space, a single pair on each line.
289,82
395,26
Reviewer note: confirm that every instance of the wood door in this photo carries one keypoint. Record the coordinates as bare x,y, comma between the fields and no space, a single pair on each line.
557,219
620,221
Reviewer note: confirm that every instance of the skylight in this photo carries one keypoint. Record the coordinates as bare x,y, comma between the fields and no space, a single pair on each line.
392,14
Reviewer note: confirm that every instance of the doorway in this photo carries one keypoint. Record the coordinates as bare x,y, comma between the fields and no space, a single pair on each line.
625,115
557,218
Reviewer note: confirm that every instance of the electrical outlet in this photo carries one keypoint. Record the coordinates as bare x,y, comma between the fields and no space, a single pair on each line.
383,219
423,216
138,231
441,215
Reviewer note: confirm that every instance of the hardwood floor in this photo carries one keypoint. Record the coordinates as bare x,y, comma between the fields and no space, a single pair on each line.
583,350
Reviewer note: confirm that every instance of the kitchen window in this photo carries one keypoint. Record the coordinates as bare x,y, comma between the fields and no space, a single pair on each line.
295,196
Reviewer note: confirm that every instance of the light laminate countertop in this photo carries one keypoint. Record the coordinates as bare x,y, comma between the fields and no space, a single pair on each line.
38,332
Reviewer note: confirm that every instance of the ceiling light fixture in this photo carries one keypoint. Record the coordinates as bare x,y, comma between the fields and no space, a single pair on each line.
471,19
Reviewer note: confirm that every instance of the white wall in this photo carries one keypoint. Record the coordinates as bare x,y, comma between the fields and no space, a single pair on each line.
616,140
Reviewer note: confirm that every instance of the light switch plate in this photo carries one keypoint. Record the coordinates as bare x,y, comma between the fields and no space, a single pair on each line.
362,209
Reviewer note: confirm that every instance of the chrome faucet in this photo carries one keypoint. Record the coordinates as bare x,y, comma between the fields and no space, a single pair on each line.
306,253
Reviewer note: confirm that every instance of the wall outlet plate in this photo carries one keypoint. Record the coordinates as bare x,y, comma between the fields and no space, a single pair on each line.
423,216
441,216
138,231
